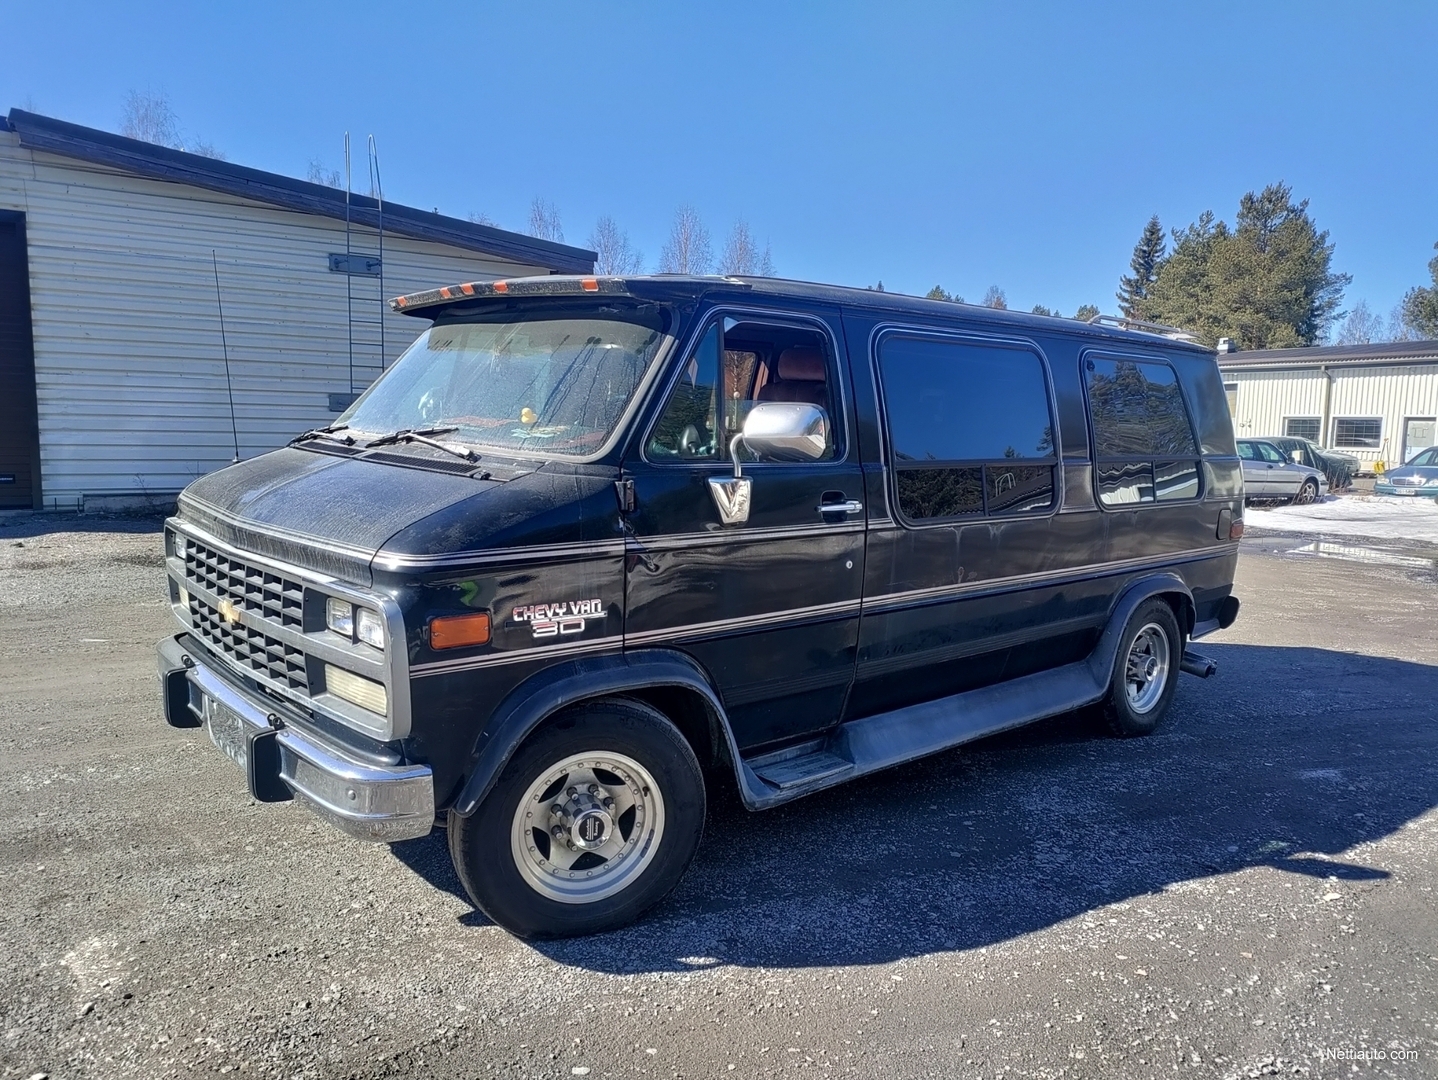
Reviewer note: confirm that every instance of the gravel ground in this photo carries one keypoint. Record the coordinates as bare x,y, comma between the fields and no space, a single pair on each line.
1246,892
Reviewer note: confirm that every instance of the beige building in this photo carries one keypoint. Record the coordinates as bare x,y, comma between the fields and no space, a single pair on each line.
1375,402
161,312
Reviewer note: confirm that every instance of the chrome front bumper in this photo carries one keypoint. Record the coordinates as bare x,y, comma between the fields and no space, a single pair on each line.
382,803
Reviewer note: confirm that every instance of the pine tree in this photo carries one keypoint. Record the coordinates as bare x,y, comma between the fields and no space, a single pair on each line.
1267,282
1085,312
1148,256
1420,305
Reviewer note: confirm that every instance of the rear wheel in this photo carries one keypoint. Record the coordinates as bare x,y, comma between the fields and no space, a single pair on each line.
1307,493
1145,671
592,822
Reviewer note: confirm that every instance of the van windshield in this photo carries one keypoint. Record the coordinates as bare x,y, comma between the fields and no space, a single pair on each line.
554,381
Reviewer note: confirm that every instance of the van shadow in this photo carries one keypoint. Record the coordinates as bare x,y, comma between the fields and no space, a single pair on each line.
1286,758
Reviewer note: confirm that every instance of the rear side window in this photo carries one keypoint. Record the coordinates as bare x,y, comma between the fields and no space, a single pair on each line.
1144,448
970,428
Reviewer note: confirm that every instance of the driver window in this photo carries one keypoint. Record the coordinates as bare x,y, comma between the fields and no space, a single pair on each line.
735,366
1271,455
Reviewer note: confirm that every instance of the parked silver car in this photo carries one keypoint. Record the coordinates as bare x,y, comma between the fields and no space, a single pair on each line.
1269,475
1418,477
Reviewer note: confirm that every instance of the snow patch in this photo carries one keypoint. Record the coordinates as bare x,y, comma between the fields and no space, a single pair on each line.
1376,516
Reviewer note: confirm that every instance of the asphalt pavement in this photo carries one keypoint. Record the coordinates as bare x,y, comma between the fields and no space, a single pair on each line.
1249,892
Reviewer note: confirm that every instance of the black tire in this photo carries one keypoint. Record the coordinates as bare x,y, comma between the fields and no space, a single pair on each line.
1127,717
1307,493
489,864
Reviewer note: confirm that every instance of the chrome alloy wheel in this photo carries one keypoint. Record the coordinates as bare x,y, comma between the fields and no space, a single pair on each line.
587,827
1146,669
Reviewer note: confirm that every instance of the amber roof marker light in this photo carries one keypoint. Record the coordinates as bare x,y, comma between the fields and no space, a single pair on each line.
550,285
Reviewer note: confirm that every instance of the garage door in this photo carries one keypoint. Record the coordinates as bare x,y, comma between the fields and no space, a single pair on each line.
19,441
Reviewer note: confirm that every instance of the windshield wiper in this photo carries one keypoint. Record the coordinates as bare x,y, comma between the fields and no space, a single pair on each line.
422,435
325,433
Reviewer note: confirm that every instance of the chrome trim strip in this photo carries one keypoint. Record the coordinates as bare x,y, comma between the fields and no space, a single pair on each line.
887,601
372,802
516,656
394,560
744,622
394,669
678,541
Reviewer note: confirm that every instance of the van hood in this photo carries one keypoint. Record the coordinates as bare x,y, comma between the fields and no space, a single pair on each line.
319,511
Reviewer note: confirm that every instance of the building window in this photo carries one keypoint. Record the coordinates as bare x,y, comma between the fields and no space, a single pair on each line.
1144,449
970,429
1301,427
1357,432
1230,391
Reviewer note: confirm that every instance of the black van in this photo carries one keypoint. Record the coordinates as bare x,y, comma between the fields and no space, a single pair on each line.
592,545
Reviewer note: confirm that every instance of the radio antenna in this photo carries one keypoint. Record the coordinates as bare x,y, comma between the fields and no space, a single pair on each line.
225,348
349,288
377,191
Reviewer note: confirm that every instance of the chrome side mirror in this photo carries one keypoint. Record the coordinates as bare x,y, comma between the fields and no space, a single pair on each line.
776,431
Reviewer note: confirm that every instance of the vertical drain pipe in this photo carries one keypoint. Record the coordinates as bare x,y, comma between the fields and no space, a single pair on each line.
1324,436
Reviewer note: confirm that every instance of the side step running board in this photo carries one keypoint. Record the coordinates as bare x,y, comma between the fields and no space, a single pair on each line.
1198,665
879,742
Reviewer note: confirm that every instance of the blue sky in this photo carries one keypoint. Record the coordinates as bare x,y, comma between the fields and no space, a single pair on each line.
1013,144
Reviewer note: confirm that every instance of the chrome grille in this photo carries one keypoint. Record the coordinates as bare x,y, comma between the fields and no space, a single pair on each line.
251,647
262,593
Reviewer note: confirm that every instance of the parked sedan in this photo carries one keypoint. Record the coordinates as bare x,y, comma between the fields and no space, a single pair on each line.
1418,477
1339,468
1269,476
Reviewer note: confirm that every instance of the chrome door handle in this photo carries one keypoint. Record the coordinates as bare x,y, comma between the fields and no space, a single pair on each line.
852,506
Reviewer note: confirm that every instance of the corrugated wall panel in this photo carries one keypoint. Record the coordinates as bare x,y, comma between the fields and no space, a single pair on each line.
1392,394
129,366
1266,399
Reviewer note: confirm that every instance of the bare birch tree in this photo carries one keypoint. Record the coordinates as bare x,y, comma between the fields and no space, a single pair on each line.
614,253
544,223
320,173
742,256
994,297
479,217
687,251
1360,327
149,117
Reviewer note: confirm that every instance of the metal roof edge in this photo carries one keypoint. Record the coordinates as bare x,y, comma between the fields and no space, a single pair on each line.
178,166
1383,353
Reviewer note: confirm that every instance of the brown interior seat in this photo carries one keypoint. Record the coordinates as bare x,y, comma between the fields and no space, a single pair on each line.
800,375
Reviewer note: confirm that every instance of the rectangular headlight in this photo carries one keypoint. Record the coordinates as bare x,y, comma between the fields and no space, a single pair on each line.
366,693
340,617
370,627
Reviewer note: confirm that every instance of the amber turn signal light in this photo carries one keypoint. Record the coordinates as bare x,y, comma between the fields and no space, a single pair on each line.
1235,531
456,631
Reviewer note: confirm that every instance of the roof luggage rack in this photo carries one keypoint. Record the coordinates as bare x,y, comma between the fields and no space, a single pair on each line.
1144,327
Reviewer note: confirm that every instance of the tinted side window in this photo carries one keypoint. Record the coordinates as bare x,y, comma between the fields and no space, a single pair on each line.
970,428
1144,449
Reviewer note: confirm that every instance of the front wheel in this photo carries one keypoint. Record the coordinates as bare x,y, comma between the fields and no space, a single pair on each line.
593,821
1145,670
1307,493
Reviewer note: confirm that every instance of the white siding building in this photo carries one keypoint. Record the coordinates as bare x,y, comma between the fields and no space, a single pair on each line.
1375,402
147,267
